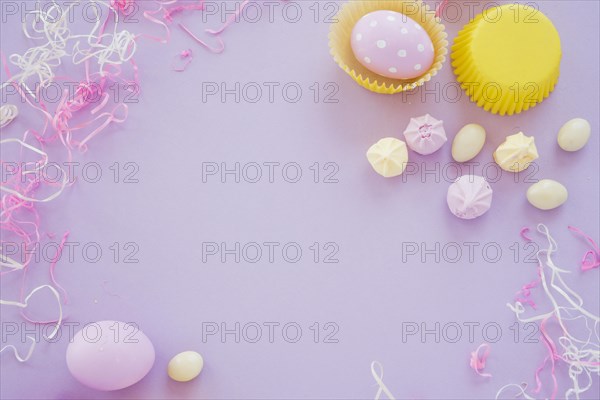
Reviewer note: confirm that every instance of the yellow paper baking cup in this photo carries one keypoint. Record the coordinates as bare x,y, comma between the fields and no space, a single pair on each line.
507,59
341,50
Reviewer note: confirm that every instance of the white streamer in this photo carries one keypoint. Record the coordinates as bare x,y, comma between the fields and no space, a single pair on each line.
8,113
41,166
16,353
50,24
25,304
377,372
120,48
521,392
581,354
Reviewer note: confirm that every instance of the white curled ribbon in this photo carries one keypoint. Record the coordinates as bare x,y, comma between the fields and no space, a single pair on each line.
377,372
7,262
26,301
120,47
582,355
16,353
522,387
41,166
8,113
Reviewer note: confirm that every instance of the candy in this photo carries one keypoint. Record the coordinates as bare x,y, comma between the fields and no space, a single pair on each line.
469,197
468,142
388,157
110,355
392,45
574,134
425,134
516,153
185,366
547,194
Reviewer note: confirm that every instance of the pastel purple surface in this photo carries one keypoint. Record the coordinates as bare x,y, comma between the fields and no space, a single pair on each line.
469,197
394,237
392,44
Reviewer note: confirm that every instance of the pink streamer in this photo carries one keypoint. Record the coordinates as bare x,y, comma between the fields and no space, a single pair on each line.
552,356
216,50
477,361
591,259
523,234
230,20
440,9
186,56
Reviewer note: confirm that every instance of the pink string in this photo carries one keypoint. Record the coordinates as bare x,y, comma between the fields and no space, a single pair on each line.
552,356
186,56
477,362
170,12
53,266
440,8
231,19
123,6
591,259
523,234
216,50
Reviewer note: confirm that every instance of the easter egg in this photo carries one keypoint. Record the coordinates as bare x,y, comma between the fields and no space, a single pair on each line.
393,45
110,355
547,194
574,134
185,366
468,142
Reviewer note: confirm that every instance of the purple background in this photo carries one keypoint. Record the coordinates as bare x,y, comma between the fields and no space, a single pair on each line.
370,293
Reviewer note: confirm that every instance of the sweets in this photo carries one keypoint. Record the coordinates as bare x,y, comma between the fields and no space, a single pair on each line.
110,355
392,45
574,134
185,366
547,194
516,153
468,142
507,58
425,134
469,197
388,157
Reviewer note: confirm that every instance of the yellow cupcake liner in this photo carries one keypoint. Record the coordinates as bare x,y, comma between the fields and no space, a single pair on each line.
507,64
341,50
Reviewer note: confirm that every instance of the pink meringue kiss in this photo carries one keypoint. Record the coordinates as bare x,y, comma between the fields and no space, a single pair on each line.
469,197
425,134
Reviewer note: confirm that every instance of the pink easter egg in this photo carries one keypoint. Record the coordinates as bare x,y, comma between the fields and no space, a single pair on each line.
392,45
110,355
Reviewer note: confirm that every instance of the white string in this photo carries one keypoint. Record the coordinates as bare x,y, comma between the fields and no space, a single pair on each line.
581,354
120,48
8,113
40,167
377,372
25,304
6,261
49,24
16,353
521,392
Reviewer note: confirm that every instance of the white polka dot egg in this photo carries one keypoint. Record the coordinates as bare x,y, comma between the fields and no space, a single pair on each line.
393,45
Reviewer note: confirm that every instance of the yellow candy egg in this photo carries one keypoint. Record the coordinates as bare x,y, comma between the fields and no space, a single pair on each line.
185,366
547,194
574,134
